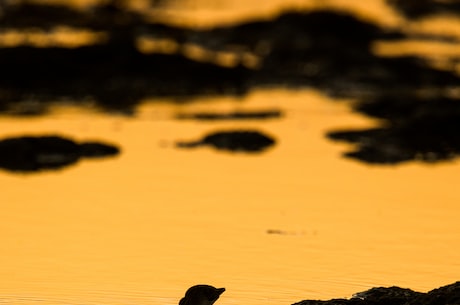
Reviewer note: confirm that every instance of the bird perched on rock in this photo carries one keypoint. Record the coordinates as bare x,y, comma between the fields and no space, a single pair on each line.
201,295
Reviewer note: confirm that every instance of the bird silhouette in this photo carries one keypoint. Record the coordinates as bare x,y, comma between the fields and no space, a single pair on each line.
201,295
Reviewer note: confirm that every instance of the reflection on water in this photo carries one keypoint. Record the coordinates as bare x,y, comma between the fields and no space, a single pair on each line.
158,220
34,153
144,227
294,49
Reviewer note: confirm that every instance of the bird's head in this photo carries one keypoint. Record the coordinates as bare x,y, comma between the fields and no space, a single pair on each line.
201,295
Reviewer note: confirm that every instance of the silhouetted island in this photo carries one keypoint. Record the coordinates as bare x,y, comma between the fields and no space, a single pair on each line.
249,141
328,50
38,153
446,295
424,8
415,128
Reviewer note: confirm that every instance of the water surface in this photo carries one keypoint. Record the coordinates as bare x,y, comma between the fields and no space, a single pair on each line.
295,222
148,224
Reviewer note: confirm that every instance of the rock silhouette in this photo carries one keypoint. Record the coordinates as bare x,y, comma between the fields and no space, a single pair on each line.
416,128
295,49
423,8
327,50
37,153
249,141
446,295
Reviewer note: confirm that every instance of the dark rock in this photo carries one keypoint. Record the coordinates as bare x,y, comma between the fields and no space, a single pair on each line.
447,295
237,141
294,31
116,78
35,153
97,150
403,107
330,302
423,8
416,129
327,50
47,16
391,295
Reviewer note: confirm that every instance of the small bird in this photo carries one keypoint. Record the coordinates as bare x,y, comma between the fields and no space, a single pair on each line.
201,295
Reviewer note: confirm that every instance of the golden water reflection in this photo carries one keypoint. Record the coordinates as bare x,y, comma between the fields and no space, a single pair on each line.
144,226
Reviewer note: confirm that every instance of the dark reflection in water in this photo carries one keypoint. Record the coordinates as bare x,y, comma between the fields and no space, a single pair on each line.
234,115
38,153
422,8
249,141
417,128
327,50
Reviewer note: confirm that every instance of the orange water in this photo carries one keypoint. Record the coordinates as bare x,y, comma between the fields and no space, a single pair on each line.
144,226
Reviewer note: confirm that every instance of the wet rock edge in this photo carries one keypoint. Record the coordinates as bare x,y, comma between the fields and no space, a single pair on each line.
445,295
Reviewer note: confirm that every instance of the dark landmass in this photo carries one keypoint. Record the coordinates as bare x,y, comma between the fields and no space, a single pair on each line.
424,8
38,153
327,50
235,115
115,79
296,49
446,295
248,141
427,131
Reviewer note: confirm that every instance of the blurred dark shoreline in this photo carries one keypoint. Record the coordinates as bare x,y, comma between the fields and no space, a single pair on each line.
326,50
446,295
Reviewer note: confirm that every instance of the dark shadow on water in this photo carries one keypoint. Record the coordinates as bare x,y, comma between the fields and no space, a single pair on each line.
425,8
231,116
115,79
323,49
327,50
247,141
29,154
416,128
